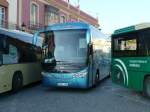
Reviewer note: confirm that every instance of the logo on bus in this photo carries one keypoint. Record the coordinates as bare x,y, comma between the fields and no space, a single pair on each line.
121,66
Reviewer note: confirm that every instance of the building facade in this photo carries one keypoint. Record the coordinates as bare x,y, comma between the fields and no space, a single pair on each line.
31,15
3,13
12,13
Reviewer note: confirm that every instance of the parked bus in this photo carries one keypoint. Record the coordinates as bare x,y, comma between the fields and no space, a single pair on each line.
76,55
19,60
131,57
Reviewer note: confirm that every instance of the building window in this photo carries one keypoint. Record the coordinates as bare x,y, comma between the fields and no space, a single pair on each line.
52,15
52,18
62,19
34,14
2,16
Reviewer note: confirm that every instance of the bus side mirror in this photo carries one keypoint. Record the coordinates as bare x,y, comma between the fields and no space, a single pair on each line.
90,49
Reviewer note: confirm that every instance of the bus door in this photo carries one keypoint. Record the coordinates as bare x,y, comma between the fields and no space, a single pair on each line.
90,65
103,58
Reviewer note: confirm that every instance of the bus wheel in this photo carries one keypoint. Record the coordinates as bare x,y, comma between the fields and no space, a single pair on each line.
109,75
147,87
17,82
97,78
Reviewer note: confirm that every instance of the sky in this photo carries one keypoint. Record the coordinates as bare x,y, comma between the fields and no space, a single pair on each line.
114,14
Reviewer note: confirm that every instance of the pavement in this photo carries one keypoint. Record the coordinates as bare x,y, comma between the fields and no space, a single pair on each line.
106,97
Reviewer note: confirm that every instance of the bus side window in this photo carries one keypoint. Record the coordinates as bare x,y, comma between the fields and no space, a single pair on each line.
144,46
12,56
27,54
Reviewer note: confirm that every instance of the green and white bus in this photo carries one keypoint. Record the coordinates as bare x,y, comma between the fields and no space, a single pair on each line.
19,60
131,57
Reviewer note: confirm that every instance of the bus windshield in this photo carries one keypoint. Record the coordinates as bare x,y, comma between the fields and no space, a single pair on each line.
65,46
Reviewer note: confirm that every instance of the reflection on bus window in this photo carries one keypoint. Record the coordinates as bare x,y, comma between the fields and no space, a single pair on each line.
130,44
58,42
12,57
48,44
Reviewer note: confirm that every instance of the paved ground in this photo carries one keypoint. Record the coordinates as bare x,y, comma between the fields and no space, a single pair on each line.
107,97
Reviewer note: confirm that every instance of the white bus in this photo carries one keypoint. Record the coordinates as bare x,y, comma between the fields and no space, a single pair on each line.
19,60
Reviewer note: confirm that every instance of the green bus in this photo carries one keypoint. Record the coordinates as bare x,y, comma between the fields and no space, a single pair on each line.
131,57
20,60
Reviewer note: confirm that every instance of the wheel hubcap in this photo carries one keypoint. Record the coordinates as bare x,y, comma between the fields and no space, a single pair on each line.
148,88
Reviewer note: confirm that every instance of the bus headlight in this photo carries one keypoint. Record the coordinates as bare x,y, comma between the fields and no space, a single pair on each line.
81,74
44,74
47,75
49,60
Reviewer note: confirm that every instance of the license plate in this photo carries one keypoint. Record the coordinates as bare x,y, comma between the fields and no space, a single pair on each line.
62,84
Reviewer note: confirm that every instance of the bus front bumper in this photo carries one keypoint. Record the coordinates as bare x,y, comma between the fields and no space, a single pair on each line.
67,80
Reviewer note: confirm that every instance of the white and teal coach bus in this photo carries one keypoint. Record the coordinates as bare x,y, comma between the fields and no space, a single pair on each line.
76,55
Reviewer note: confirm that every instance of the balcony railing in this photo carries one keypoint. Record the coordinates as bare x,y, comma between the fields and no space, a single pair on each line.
35,26
8,25
30,27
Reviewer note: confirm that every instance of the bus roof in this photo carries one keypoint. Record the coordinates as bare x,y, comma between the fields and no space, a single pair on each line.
22,36
69,25
132,28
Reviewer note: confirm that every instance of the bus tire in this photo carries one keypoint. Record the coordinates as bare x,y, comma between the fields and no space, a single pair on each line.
17,82
147,87
109,74
97,78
